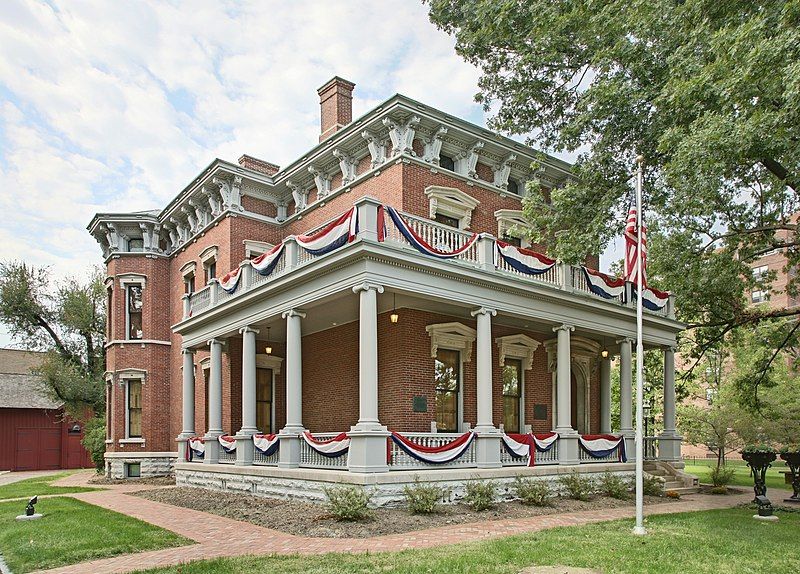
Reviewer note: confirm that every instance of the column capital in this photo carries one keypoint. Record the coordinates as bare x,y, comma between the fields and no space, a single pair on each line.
186,296
671,348
628,340
483,311
563,327
215,341
248,329
366,286
187,351
293,313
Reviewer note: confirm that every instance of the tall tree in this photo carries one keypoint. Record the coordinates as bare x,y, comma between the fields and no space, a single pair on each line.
707,92
68,322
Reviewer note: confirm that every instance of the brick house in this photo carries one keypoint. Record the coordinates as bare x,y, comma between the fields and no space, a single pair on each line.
441,343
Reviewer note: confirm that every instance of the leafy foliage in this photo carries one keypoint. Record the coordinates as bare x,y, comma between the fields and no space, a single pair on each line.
652,485
722,475
94,439
532,492
348,503
612,485
577,486
480,494
423,499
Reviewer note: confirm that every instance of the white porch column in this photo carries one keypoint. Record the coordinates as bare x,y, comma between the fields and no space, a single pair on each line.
244,443
626,397
368,437
188,430
289,456
214,403
567,436
605,395
669,443
488,436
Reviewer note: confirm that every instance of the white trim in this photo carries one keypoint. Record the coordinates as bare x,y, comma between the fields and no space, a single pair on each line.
451,202
188,269
253,248
264,361
126,279
142,342
509,219
131,373
125,376
208,254
134,440
518,346
455,336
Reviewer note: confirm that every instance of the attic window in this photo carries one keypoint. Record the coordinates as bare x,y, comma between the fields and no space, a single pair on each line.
446,162
513,186
451,203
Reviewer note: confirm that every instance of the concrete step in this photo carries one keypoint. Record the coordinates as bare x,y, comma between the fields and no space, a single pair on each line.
684,490
673,484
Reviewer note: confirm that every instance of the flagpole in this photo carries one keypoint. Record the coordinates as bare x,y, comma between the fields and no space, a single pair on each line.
639,528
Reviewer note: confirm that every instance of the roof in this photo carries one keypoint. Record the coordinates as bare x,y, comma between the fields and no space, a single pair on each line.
19,389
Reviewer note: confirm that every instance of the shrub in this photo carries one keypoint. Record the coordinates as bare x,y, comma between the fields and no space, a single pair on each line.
613,485
348,503
480,494
672,494
577,486
652,485
719,490
532,492
422,499
94,439
722,475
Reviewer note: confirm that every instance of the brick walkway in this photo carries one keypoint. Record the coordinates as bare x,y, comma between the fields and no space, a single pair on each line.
217,536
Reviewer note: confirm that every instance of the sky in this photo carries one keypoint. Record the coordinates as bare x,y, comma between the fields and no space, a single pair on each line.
116,106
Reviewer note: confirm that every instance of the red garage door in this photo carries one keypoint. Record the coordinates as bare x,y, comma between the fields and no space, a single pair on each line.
38,449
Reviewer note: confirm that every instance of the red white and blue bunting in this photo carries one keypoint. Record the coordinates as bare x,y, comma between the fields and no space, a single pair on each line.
266,444
524,260
264,264
230,281
435,454
333,236
196,448
228,443
653,299
525,445
420,244
603,445
332,448
603,285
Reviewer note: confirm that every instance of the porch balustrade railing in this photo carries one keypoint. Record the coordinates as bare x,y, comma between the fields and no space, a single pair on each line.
309,458
547,457
400,460
226,457
437,235
585,458
551,277
651,448
201,300
260,459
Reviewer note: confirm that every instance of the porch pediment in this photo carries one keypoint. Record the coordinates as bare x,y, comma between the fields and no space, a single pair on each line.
452,336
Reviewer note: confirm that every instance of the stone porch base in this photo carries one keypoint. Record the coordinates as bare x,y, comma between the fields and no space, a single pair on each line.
151,463
387,487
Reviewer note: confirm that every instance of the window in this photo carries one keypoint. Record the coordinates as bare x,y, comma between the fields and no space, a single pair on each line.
512,394
134,404
133,469
208,258
188,283
759,296
210,268
135,245
109,312
264,400
760,272
109,408
711,394
446,162
513,187
446,220
512,240
447,375
134,306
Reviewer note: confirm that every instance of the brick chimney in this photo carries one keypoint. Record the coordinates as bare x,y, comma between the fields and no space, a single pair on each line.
256,164
336,106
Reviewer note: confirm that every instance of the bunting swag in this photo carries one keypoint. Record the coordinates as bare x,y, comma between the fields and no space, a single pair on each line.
435,454
231,281
522,445
653,299
333,236
603,285
603,445
228,443
524,260
197,447
265,264
420,244
266,444
332,448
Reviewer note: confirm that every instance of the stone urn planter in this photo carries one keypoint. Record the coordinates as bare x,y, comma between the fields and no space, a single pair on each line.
759,459
791,455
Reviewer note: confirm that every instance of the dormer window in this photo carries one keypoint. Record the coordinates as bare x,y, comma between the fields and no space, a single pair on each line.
513,186
447,162
451,206
135,245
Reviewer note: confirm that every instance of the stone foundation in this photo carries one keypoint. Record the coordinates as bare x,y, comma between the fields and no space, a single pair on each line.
387,488
150,463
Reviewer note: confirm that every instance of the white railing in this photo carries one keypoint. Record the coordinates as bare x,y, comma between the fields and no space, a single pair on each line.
260,459
200,300
548,457
551,277
226,457
441,237
585,458
651,448
400,460
309,458
257,279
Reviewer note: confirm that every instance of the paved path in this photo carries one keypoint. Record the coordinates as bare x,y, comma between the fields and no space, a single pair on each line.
217,536
10,477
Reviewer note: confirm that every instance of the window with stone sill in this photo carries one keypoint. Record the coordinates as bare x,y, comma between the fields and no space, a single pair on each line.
512,395
134,407
210,269
188,283
516,241
134,306
447,220
447,377
759,296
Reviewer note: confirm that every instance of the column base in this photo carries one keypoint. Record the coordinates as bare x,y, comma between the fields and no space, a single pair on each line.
212,447
183,445
488,444
669,447
244,447
630,444
289,453
568,449
368,448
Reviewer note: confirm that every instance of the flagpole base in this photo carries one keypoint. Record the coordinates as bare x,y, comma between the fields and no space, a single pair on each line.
639,531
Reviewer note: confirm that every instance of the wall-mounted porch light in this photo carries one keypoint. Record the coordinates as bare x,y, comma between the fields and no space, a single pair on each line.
268,349
394,317
604,353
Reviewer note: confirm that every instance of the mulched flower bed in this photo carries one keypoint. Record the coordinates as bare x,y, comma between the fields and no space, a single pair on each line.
148,481
310,519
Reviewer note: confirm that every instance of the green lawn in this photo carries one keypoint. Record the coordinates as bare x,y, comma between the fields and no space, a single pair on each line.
702,469
72,531
38,486
727,541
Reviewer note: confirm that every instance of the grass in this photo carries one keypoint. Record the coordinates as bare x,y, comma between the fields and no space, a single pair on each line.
73,531
702,469
38,486
727,541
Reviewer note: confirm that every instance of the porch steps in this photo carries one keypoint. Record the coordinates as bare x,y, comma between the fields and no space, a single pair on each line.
675,480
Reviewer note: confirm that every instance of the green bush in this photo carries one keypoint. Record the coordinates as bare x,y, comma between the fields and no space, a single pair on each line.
652,485
719,490
94,439
613,485
423,499
480,494
348,503
532,492
577,486
722,475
